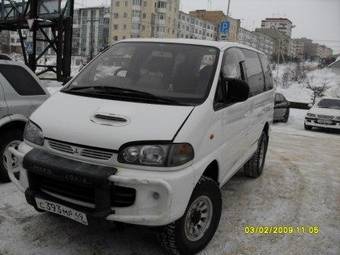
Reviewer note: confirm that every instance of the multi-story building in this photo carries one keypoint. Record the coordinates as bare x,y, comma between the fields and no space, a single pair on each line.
195,28
4,41
281,24
264,43
281,42
297,49
143,18
247,37
90,31
216,17
256,40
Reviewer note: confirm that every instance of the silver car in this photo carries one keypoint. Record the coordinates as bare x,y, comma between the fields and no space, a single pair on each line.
20,94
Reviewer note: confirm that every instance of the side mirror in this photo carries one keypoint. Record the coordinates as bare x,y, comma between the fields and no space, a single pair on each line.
237,90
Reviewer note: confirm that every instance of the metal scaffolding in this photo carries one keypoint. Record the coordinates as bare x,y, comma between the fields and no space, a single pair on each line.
47,22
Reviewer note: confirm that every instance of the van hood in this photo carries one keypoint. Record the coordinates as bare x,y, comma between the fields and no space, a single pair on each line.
325,111
107,123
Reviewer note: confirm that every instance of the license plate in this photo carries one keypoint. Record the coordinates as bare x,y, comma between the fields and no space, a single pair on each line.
327,122
61,210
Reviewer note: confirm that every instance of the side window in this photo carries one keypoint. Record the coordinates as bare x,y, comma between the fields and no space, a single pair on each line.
254,73
267,72
231,67
21,80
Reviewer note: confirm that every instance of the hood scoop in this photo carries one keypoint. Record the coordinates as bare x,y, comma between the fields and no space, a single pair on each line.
110,119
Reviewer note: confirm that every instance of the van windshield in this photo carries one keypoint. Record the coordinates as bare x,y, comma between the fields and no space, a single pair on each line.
154,72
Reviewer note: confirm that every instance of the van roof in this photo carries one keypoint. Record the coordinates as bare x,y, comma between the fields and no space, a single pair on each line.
222,45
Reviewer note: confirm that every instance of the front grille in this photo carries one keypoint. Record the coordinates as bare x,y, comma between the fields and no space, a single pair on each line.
94,153
325,117
120,196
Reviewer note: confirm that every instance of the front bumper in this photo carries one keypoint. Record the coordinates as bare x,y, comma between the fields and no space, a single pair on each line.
160,197
315,122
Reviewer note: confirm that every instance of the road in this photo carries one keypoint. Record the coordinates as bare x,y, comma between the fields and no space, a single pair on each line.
300,187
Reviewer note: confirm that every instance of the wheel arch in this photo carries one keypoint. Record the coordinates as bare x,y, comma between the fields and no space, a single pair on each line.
12,121
212,171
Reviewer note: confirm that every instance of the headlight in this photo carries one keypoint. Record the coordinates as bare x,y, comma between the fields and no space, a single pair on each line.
164,155
311,115
33,133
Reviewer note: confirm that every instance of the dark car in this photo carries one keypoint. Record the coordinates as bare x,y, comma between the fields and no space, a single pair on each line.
281,108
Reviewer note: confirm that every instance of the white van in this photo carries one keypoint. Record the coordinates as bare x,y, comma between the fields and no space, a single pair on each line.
147,134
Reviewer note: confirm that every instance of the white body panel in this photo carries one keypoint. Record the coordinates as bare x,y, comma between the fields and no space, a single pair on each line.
228,136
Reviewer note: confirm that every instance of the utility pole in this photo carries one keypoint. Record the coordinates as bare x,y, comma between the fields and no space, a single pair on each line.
228,10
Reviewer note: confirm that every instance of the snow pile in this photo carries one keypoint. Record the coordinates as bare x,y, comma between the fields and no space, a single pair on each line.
298,83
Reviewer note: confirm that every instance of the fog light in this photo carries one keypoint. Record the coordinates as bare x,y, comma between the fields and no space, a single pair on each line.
155,195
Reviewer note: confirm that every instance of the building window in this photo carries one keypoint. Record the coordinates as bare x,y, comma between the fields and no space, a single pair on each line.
124,26
115,15
136,2
117,3
144,15
145,3
115,27
161,4
125,15
126,3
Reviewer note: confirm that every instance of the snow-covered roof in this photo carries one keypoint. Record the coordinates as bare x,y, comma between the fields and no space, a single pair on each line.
222,45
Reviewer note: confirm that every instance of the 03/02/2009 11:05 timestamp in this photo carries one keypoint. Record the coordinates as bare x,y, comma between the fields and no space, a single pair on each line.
313,230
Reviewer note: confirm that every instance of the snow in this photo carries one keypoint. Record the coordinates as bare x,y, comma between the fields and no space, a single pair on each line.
297,91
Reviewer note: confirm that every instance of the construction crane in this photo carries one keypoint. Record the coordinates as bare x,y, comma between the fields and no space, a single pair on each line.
44,23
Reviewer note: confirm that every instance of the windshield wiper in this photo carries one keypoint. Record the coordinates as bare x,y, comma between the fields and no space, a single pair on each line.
98,90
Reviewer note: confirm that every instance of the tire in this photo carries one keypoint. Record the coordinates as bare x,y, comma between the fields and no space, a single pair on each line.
10,136
286,117
308,127
254,167
176,237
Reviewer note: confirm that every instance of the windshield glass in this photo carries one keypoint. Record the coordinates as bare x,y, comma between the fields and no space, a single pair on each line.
178,73
329,103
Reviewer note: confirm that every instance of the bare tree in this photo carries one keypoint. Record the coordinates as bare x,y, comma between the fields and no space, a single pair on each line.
319,88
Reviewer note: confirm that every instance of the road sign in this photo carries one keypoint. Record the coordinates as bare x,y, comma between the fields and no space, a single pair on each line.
224,27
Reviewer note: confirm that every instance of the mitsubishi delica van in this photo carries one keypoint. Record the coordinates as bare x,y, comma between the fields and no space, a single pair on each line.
147,134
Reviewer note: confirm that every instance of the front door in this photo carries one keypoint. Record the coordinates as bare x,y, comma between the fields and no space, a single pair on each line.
233,116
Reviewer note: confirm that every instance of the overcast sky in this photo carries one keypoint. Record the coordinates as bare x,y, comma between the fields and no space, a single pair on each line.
316,19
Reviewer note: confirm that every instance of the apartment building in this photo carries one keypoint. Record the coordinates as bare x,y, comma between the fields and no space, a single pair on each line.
216,17
264,43
283,25
191,27
257,40
280,42
90,31
4,41
247,37
143,18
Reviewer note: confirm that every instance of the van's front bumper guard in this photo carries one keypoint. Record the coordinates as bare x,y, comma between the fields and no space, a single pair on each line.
41,165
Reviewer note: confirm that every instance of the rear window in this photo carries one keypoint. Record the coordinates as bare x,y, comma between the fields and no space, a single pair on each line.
21,80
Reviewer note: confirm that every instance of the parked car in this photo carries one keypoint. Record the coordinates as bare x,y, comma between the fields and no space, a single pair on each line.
324,114
148,133
20,94
4,57
281,108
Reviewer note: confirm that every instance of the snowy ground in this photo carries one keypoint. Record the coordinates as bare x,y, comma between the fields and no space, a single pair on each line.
300,187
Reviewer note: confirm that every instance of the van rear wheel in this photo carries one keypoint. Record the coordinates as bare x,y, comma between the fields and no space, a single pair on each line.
191,233
254,167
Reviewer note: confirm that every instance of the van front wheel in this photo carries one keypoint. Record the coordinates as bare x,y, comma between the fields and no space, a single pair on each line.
191,233
254,167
